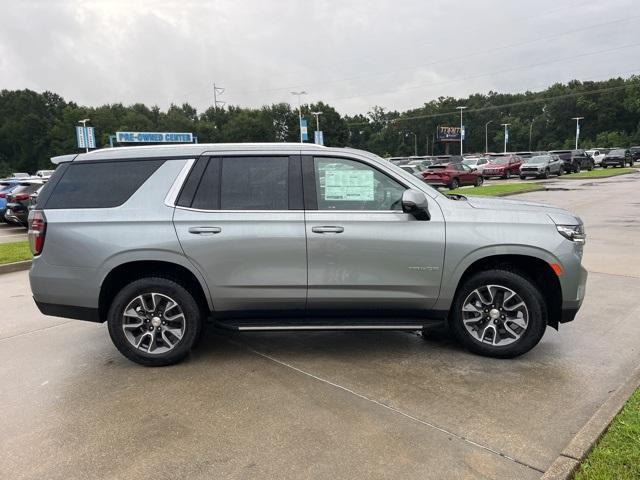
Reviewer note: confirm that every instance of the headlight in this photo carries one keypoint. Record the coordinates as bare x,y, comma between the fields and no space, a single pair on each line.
575,233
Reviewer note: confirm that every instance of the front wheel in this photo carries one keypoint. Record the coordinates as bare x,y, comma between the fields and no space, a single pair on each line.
577,168
499,313
546,174
154,321
604,165
508,174
560,171
479,181
522,177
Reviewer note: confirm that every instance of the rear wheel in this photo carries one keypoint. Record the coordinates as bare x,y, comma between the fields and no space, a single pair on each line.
604,165
560,171
622,164
154,321
590,167
455,183
499,313
577,168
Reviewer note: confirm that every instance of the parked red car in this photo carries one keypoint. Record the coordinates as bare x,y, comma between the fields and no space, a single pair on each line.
502,165
452,175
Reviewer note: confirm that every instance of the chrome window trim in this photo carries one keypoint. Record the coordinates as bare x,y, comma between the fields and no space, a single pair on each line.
172,196
287,211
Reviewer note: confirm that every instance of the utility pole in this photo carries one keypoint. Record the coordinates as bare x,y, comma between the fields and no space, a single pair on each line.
216,91
506,135
298,94
486,136
84,134
427,149
577,119
530,130
461,127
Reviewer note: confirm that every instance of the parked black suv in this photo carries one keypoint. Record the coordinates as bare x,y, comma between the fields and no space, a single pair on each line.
635,153
617,158
574,160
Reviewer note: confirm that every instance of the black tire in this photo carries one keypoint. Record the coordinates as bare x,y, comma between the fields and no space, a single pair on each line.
526,289
455,183
165,286
590,167
545,175
560,172
522,177
577,168
479,181
604,165
622,164
507,175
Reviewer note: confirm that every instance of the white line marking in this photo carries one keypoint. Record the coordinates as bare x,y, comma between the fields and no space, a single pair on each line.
388,407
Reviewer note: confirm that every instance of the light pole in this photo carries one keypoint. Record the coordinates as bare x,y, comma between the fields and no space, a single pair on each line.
461,109
577,119
298,94
530,130
84,133
506,135
415,143
317,115
486,136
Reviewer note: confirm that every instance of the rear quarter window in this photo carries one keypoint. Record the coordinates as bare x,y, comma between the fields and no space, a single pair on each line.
100,184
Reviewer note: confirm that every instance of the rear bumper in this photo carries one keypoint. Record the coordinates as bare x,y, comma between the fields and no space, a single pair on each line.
69,311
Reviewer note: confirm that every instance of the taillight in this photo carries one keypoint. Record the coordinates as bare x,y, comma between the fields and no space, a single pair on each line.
37,231
20,197
3,195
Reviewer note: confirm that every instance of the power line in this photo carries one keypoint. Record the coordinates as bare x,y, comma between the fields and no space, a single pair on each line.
445,60
493,72
503,105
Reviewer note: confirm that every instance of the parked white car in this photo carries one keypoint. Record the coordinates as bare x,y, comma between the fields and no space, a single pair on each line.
476,163
597,155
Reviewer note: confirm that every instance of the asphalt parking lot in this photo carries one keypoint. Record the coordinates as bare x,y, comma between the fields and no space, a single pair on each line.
324,405
12,233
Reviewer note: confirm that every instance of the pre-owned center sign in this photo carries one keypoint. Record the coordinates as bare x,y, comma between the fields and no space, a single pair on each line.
154,137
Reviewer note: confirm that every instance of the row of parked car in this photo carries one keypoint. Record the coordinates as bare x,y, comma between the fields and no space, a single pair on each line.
18,195
453,171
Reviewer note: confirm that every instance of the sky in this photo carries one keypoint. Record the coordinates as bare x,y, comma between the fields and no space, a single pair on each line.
351,54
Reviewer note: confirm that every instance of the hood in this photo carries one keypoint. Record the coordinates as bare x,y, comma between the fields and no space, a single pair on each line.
536,165
559,215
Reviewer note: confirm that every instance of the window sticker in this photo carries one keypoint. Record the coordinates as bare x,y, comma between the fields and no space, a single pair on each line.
349,185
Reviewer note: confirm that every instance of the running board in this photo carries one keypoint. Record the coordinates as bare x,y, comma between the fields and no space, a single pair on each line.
270,325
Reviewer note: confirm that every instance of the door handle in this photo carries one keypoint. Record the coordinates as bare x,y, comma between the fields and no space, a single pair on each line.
327,229
204,230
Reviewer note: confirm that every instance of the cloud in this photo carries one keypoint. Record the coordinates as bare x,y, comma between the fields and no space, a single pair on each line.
352,54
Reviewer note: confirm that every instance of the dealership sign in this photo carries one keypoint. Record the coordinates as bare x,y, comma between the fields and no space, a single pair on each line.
154,137
449,134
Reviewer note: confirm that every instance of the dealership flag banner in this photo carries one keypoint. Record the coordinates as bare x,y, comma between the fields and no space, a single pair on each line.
304,133
85,137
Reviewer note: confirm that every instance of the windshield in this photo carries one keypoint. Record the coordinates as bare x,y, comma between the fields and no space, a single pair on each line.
617,153
539,159
499,160
471,161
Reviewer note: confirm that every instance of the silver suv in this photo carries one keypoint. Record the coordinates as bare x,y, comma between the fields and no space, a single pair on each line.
155,240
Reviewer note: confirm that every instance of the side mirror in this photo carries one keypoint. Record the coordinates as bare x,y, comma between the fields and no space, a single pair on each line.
414,202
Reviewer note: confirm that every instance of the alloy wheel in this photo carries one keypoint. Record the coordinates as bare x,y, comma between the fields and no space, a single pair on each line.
495,314
153,322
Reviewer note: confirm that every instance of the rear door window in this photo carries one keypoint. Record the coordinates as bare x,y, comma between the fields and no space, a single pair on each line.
100,184
244,183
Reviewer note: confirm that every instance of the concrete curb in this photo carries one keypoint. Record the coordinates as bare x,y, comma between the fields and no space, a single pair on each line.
598,178
15,267
565,466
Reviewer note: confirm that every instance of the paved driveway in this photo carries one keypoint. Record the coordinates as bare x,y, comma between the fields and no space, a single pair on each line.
323,405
